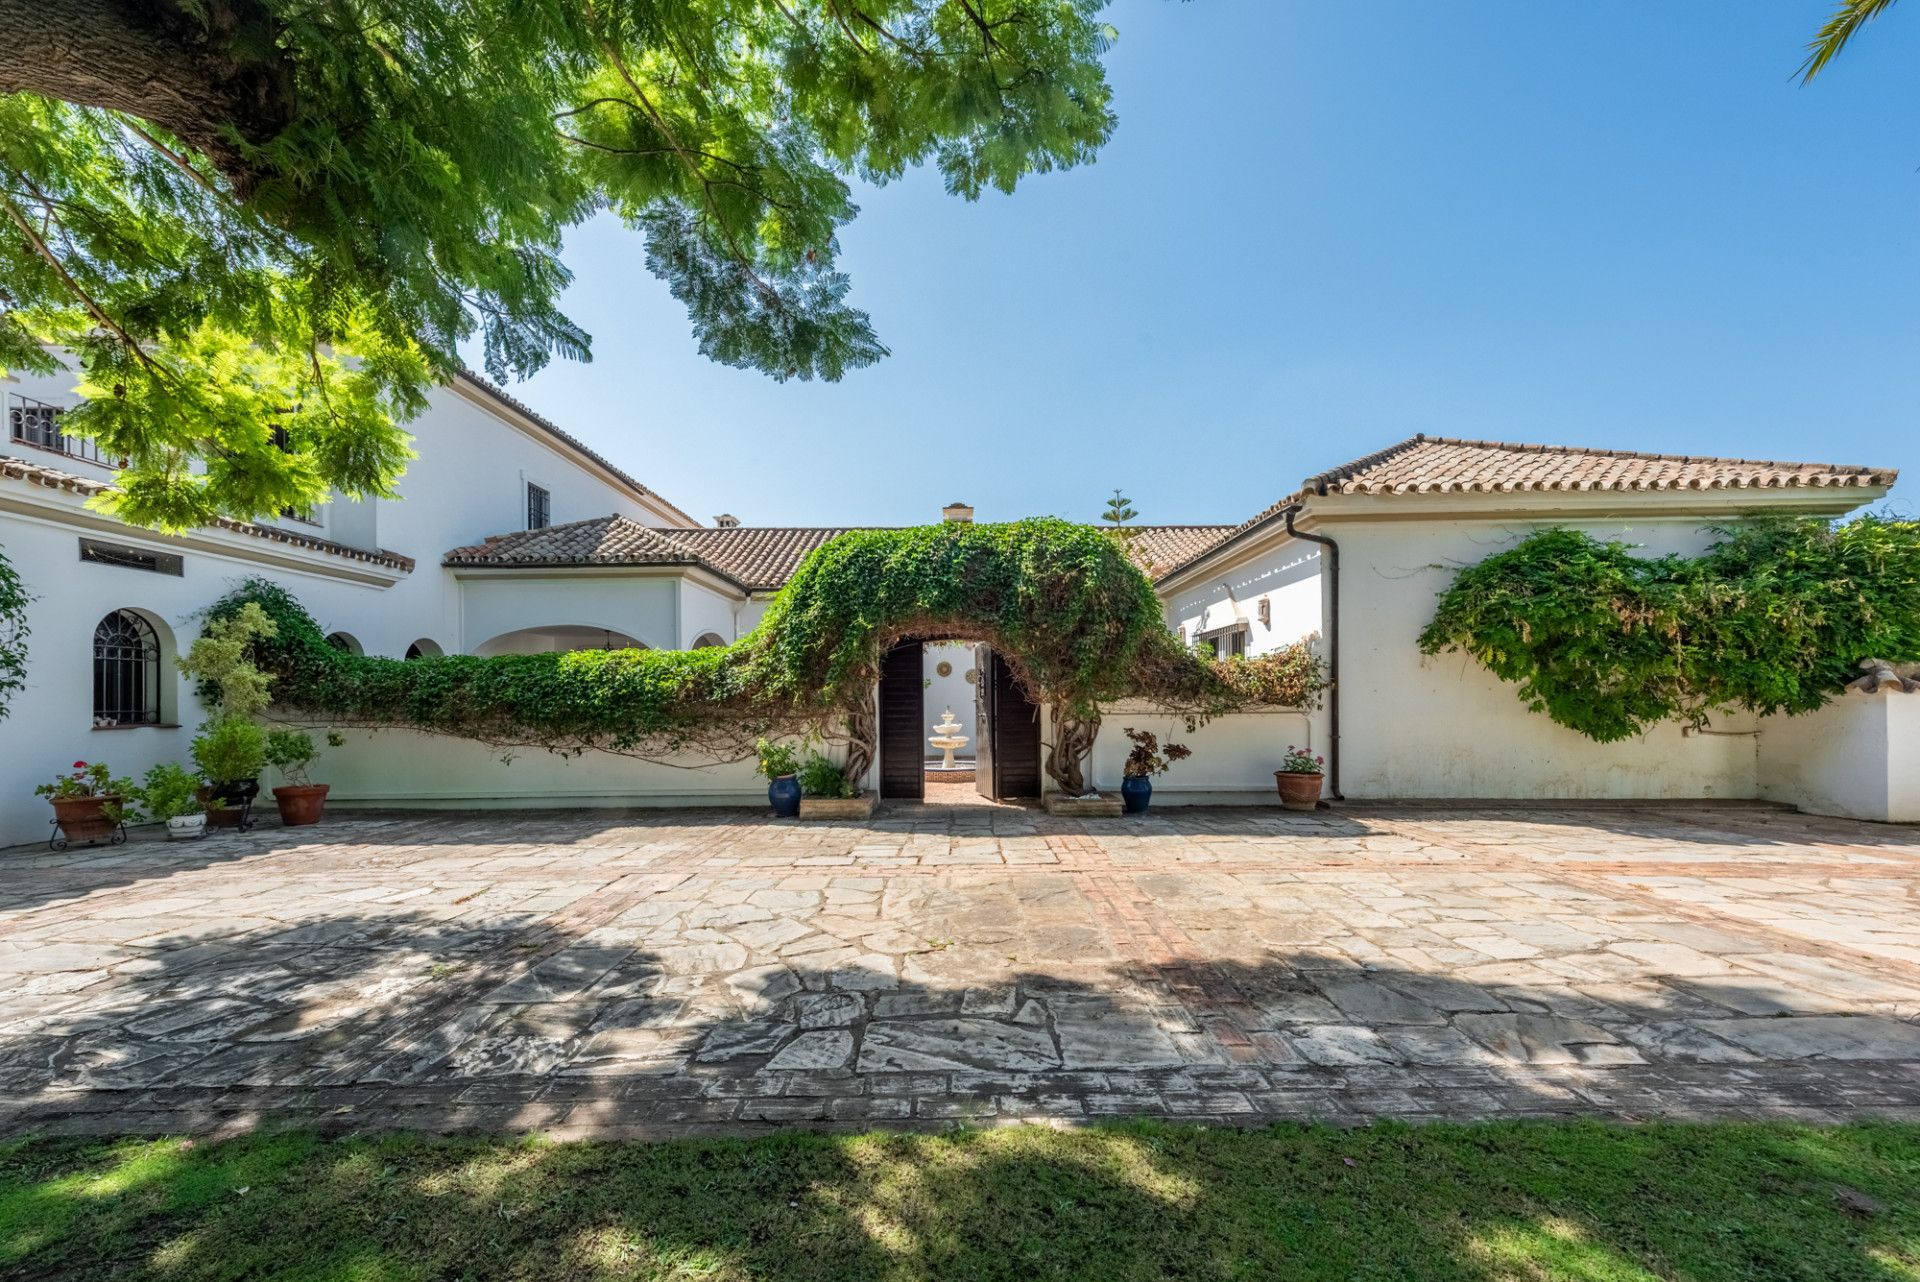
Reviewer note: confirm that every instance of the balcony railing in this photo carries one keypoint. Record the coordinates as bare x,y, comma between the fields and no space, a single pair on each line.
37,423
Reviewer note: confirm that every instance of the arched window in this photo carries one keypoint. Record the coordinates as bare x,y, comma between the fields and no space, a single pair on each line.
424,646
708,639
126,671
344,642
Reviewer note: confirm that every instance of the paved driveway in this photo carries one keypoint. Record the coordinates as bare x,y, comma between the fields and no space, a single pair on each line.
659,972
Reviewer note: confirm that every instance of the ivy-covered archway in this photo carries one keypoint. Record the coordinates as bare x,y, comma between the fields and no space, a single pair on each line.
1063,603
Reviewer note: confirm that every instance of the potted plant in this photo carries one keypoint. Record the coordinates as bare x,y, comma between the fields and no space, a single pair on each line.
301,801
1146,759
88,803
780,764
1299,779
820,777
172,792
230,752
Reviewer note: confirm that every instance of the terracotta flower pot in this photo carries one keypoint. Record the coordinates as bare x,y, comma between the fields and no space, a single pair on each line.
85,818
300,804
1298,791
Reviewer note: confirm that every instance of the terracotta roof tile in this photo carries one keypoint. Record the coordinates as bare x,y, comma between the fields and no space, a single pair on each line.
50,478
757,558
1447,465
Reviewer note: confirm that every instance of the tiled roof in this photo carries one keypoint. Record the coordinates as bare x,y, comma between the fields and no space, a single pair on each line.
1157,547
19,469
1446,465
760,558
602,540
757,558
1443,465
560,434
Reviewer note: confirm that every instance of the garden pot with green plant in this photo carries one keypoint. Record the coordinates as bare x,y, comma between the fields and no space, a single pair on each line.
300,800
89,804
171,793
1299,779
1145,760
230,753
827,792
780,764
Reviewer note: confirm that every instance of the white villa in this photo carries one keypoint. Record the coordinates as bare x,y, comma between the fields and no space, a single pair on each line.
515,537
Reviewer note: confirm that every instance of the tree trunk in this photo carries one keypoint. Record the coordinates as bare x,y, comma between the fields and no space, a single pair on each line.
1072,745
863,738
199,80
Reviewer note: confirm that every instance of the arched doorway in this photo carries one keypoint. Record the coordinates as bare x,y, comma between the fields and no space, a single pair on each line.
1007,724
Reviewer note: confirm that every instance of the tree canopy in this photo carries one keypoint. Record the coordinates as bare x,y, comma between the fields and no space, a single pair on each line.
213,203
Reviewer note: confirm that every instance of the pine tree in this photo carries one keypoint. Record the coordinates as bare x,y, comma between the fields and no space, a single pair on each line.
1119,510
214,203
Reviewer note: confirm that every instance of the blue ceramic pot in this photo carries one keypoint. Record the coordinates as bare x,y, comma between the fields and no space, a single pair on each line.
1135,792
783,794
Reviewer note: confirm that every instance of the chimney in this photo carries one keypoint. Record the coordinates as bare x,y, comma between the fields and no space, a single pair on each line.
960,513
726,521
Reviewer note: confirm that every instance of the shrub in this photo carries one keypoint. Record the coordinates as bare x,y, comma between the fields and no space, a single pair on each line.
1147,758
776,759
1775,617
230,749
171,791
292,751
221,660
820,777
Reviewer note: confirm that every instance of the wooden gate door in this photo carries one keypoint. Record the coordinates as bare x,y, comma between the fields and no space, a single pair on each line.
903,754
1008,763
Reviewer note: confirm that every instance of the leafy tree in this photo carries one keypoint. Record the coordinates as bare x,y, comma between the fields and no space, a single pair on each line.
214,203
1845,23
13,634
1119,510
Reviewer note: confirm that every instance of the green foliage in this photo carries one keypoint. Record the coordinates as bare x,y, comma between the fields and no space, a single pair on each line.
221,660
230,749
292,751
1076,619
1775,617
1119,510
1842,25
212,235
776,759
171,792
13,634
95,779
820,777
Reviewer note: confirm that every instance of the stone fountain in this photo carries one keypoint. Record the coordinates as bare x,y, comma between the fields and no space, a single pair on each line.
946,737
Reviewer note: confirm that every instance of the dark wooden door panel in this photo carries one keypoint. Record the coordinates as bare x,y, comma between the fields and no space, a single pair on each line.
1016,736
982,721
903,763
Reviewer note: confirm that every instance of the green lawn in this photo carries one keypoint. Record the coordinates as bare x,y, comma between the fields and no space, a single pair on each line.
1589,1202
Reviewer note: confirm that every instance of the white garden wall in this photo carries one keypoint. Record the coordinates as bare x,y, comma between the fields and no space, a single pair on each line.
1233,760
1858,757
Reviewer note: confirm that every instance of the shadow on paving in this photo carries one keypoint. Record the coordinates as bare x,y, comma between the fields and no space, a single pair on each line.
406,1021
1437,1204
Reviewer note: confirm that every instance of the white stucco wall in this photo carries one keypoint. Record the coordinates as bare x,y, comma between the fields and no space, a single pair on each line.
49,725
702,611
1413,726
645,609
1286,577
1858,757
1233,760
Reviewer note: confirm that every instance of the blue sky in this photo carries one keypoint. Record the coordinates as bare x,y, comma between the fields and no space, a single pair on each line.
1323,228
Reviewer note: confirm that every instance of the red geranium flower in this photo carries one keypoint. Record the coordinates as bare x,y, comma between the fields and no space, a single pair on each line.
79,765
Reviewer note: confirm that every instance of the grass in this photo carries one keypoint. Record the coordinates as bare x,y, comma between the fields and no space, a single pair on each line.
1587,1202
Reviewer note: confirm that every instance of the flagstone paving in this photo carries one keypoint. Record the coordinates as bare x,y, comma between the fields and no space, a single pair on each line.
661,972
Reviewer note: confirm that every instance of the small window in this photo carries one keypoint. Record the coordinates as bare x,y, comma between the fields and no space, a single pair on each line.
708,640
344,642
126,672
423,647
1237,644
539,508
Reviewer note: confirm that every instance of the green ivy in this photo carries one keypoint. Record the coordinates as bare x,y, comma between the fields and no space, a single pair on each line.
1775,617
1078,621
13,634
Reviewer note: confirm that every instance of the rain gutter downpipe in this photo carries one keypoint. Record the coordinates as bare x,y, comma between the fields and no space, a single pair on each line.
1333,646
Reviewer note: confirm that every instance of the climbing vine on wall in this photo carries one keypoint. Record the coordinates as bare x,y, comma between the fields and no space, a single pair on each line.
1775,617
13,634
1075,618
